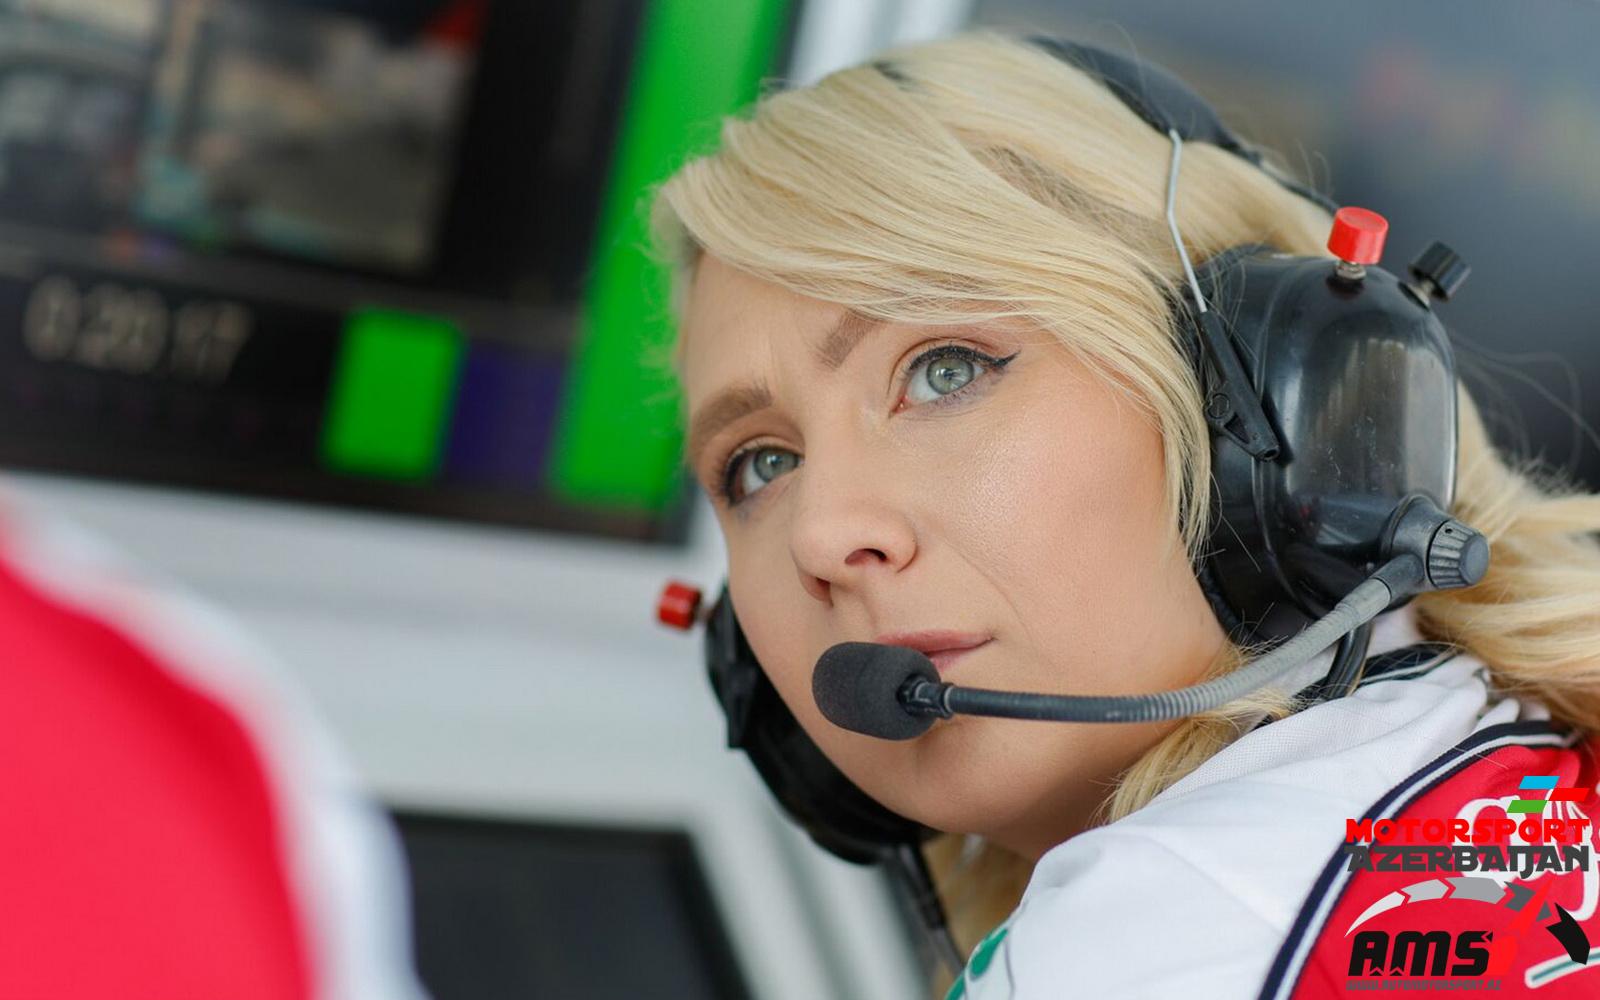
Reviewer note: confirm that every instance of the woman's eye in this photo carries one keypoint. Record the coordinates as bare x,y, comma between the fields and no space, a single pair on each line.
751,469
945,371
942,373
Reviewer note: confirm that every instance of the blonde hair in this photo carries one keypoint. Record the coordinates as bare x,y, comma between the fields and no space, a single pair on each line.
980,177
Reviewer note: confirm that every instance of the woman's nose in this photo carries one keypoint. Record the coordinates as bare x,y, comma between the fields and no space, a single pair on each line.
849,524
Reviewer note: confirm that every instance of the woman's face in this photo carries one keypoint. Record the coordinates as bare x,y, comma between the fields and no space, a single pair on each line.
996,488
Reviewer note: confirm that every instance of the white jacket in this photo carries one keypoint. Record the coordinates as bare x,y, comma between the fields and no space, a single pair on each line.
1233,882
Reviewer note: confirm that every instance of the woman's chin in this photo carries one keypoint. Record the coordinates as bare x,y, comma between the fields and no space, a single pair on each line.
957,790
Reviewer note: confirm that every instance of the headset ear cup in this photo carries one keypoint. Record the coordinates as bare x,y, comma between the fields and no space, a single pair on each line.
837,814
732,668
1291,534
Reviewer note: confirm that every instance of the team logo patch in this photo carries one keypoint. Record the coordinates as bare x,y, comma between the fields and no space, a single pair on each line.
1497,866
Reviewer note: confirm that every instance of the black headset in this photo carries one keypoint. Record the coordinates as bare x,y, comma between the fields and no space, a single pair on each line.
1330,390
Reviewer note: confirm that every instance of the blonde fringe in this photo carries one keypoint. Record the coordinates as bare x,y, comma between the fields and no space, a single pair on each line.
985,179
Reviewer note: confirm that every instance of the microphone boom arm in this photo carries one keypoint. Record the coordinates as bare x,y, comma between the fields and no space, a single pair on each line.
1399,576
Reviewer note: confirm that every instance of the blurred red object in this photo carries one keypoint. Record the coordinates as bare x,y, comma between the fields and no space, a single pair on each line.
171,823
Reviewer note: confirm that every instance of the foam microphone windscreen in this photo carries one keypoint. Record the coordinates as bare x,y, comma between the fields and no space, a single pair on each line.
854,685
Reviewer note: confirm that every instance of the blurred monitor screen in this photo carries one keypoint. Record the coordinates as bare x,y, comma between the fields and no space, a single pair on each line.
329,251
505,909
235,127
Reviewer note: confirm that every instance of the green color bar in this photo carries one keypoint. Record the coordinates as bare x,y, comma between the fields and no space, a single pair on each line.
393,384
617,443
1526,806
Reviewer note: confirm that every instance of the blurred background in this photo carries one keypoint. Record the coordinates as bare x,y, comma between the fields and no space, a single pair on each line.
334,311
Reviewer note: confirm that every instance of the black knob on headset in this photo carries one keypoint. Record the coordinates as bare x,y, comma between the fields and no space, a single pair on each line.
1440,271
1457,557
1447,553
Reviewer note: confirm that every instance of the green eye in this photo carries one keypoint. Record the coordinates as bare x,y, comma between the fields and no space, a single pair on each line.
946,375
945,371
763,466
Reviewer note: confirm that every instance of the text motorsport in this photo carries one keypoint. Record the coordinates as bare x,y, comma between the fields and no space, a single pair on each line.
1422,959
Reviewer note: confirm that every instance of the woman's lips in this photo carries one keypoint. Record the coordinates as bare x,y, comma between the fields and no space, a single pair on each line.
944,646
943,658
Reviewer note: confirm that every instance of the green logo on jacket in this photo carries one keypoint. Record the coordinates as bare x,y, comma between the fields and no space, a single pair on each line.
978,964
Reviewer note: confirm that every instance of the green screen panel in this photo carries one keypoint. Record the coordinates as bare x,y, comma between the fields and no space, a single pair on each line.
393,385
617,443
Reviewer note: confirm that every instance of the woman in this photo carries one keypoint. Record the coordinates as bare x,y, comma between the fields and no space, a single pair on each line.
937,399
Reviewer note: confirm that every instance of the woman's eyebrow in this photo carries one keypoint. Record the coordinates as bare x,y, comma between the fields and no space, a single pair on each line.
742,400
844,337
723,409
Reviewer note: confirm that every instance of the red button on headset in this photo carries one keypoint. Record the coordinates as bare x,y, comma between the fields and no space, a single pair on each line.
678,605
1358,235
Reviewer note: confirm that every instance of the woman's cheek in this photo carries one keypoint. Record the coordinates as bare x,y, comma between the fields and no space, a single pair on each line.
1034,498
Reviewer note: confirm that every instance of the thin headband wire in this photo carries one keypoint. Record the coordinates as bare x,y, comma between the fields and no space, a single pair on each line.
1172,218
